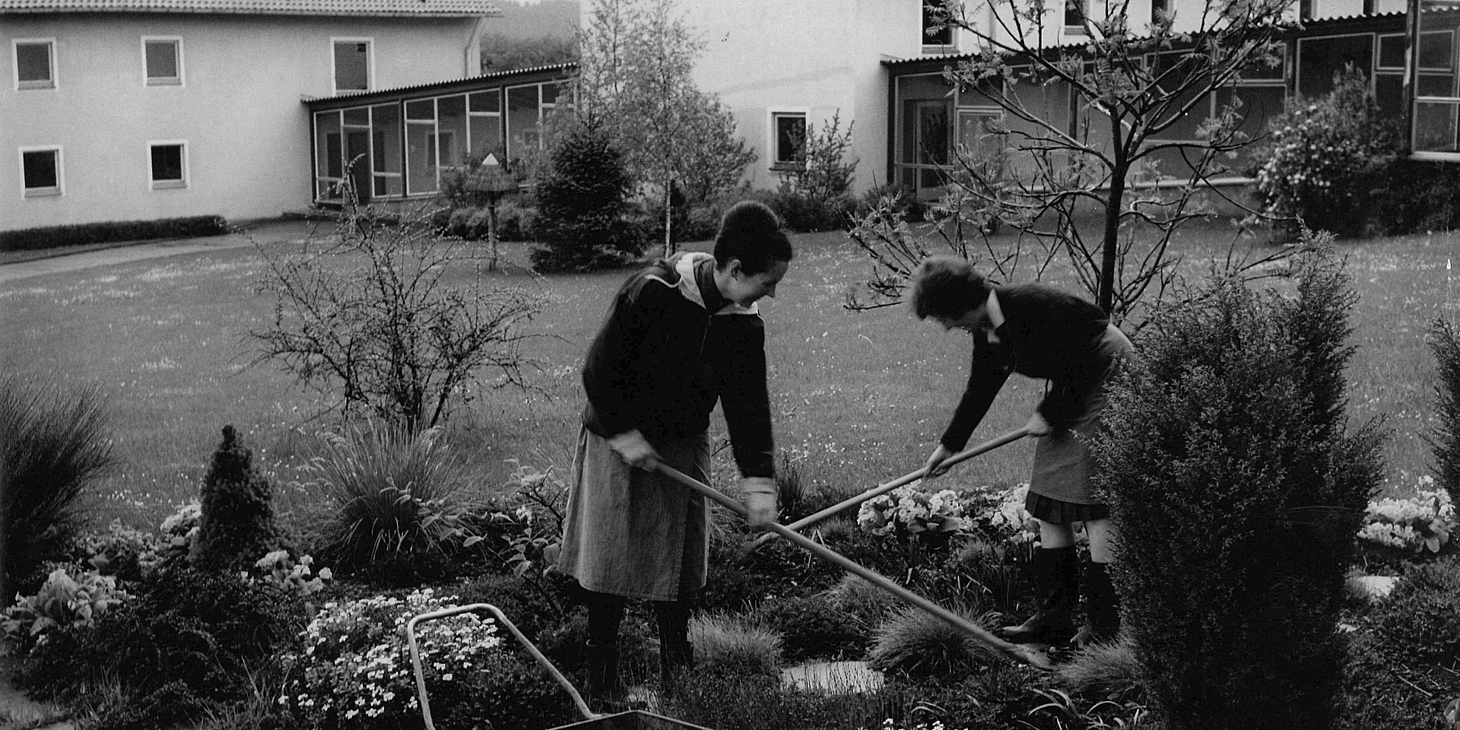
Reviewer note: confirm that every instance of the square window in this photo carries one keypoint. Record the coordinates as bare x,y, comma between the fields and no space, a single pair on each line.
352,65
1075,14
167,166
790,130
35,65
41,171
163,58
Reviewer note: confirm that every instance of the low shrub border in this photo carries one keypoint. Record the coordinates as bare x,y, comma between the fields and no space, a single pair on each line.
34,239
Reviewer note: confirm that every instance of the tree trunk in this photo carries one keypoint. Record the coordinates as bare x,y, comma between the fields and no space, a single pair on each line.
668,216
1105,293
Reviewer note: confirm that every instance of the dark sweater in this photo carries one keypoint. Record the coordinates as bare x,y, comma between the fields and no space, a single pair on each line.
662,360
1047,333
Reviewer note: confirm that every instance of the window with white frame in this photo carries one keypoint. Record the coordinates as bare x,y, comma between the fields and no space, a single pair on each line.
935,38
352,64
162,61
788,137
1075,11
40,171
35,63
167,164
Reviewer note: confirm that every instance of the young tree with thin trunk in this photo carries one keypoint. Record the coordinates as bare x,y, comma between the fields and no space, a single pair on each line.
1117,157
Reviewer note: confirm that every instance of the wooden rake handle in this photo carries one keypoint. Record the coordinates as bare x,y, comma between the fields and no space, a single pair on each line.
886,487
1013,651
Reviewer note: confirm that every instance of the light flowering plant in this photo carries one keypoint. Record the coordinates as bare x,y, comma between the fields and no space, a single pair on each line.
1422,522
279,568
62,601
889,724
355,668
1000,515
911,512
181,527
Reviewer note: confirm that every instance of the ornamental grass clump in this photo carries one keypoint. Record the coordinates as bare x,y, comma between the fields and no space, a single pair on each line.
727,644
54,444
1236,489
918,644
393,502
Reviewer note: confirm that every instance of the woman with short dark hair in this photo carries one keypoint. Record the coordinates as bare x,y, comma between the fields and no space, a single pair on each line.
680,335
1038,331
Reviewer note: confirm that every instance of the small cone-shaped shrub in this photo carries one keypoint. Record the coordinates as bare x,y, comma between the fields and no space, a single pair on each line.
237,526
582,196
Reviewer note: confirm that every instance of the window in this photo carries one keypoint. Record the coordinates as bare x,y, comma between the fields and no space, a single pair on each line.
35,64
789,130
1160,9
162,59
1075,16
40,169
352,64
935,11
167,165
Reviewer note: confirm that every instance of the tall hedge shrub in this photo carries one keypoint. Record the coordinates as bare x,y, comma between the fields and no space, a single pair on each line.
582,198
1325,159
1445,441
1236,488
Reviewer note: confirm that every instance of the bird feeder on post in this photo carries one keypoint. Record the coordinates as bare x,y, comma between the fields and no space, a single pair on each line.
493,183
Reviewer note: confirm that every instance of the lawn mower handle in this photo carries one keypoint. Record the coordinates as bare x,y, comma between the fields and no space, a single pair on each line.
882,489
1014,651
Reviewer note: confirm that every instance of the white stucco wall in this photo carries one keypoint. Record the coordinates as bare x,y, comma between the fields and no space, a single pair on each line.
238,109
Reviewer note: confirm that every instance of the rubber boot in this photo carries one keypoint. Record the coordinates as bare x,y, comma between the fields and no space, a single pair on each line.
1102,607
676,654
605,689
1056,587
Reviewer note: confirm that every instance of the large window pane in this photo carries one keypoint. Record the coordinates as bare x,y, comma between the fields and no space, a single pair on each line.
451,126
1319,59
420,158
790,136
385,138
1435,128
486,135
33,65
522,119
167,165
328,146
487,101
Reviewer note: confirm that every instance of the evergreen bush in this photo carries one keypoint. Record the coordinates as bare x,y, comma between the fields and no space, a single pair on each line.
1236,491
237,526
581,201
55,444
1445,440
1325,159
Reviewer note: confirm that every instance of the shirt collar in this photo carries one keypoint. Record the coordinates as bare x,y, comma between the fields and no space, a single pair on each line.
709,292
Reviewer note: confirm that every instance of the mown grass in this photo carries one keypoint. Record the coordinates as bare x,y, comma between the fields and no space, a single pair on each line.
858,398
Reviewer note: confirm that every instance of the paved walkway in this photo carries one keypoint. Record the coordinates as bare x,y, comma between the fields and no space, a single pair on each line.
271,231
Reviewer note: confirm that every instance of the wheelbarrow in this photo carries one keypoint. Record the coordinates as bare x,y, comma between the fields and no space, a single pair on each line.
629,720
886,487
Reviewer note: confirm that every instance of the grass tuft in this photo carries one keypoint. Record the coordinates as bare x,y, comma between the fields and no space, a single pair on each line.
917,643
1103,667
734,645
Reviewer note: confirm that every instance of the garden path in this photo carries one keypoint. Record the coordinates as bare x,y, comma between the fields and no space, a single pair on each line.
273,231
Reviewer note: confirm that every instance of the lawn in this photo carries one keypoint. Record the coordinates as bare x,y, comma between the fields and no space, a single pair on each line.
858,397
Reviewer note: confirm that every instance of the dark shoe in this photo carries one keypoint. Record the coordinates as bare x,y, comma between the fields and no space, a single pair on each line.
604,687
1056,587
1102,607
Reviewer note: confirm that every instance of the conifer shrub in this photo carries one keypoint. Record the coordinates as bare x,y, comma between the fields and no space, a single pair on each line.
55,444
1445,440
582,197
237,524
1236,489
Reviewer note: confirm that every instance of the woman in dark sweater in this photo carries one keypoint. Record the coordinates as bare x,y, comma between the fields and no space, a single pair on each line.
1038,331
680,335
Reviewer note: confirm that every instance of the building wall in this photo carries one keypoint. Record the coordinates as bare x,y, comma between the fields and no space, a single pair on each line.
238,109
822,57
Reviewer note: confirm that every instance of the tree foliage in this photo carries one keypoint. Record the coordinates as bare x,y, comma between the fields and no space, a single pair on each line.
1119,158
582,194
634,80
504,53
374,319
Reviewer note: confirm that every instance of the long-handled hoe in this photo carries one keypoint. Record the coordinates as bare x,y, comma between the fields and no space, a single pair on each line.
1019,653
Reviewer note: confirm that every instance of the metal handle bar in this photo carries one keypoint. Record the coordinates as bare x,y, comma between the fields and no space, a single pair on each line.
512,628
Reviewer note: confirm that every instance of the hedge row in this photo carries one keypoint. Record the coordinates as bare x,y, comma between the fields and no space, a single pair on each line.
33,239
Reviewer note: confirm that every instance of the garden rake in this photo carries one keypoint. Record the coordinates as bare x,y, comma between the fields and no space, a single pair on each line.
886,487
1024,654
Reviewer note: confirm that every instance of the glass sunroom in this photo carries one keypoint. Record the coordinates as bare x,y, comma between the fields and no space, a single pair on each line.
395,144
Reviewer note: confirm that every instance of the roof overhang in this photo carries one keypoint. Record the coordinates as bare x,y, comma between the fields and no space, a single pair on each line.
327,8
536,74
